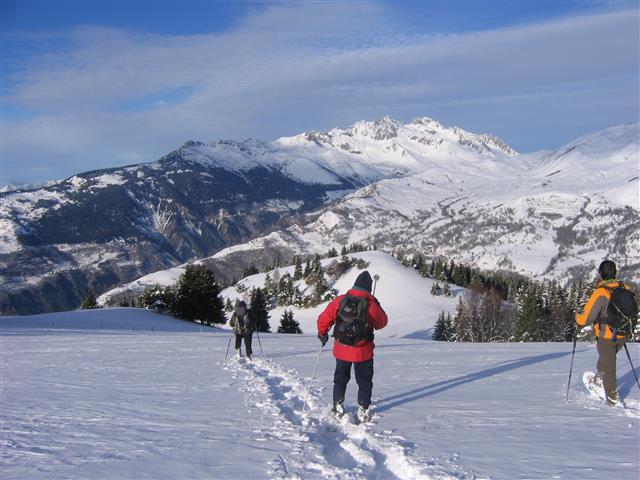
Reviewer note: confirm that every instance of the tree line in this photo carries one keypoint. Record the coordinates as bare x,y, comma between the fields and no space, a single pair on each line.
503,306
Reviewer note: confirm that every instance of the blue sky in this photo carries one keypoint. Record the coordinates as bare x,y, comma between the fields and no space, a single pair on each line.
93,84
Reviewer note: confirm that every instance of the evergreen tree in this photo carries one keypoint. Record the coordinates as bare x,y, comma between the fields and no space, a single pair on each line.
268,284
90,303
228,306
307,269
159,299
446,291
259,313
288,324
436,289
297,270
198,296
285,290
332,252
316,265
443,330
462,323
250,270
528,314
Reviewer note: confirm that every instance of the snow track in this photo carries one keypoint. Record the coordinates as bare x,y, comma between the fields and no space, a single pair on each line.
317,446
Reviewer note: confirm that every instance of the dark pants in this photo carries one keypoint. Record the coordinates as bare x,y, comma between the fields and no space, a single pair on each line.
606,365
364,378
247,342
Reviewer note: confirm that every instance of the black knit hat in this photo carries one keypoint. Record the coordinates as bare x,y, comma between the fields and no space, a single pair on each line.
607,270
364,281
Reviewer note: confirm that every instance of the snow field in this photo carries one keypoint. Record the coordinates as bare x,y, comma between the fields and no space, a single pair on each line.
339,449
80,403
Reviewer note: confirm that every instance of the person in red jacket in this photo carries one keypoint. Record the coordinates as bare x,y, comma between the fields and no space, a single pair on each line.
360,353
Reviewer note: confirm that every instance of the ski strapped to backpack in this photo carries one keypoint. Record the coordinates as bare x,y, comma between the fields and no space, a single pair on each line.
352,325
622,311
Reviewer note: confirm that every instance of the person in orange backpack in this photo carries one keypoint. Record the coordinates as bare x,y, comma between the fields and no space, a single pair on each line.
609,339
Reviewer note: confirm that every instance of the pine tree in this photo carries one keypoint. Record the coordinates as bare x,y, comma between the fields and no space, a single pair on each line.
288,324
446,291
316,265
90,302
250,270
228,306
332,252
528,314
297,270
268,284
436,289
159,299
258,312
443,330
307,269
462,323
198,296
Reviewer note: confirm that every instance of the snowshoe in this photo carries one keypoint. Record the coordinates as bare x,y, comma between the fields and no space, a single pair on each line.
593,383
338,411
364,414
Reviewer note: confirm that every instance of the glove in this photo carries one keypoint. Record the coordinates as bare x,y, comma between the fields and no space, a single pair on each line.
323,339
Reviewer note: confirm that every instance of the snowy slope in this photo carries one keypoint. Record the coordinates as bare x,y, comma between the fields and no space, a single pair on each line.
403,293
81,403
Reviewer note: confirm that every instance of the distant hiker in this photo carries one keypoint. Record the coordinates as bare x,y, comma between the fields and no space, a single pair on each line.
243,327
355,315
603,311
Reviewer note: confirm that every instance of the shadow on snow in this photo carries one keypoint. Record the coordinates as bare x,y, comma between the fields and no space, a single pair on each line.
435,388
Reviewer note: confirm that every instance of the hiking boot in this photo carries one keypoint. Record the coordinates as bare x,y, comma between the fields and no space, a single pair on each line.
364,414
338,410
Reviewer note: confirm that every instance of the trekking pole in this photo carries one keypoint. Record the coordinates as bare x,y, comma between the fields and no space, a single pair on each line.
306,397
573,352
260,343
376,277
632,367
228,344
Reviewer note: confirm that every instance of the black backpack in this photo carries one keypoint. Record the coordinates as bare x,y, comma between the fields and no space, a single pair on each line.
351,322
622,311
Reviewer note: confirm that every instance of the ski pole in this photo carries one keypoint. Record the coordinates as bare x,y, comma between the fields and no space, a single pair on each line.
376,277
260,343
306,397
573,353
632,367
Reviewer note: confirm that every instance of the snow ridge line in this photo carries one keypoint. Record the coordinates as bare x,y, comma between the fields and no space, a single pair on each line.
319,446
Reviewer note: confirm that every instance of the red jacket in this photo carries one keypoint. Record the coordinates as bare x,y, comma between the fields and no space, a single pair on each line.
363,350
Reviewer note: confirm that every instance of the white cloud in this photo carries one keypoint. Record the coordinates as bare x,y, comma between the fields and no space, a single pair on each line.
293,68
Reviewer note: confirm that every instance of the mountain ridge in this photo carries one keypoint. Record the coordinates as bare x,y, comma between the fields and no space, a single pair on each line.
416,182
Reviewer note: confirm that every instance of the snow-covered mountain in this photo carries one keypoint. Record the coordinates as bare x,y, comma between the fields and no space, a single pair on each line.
552,214
418,185
99,229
